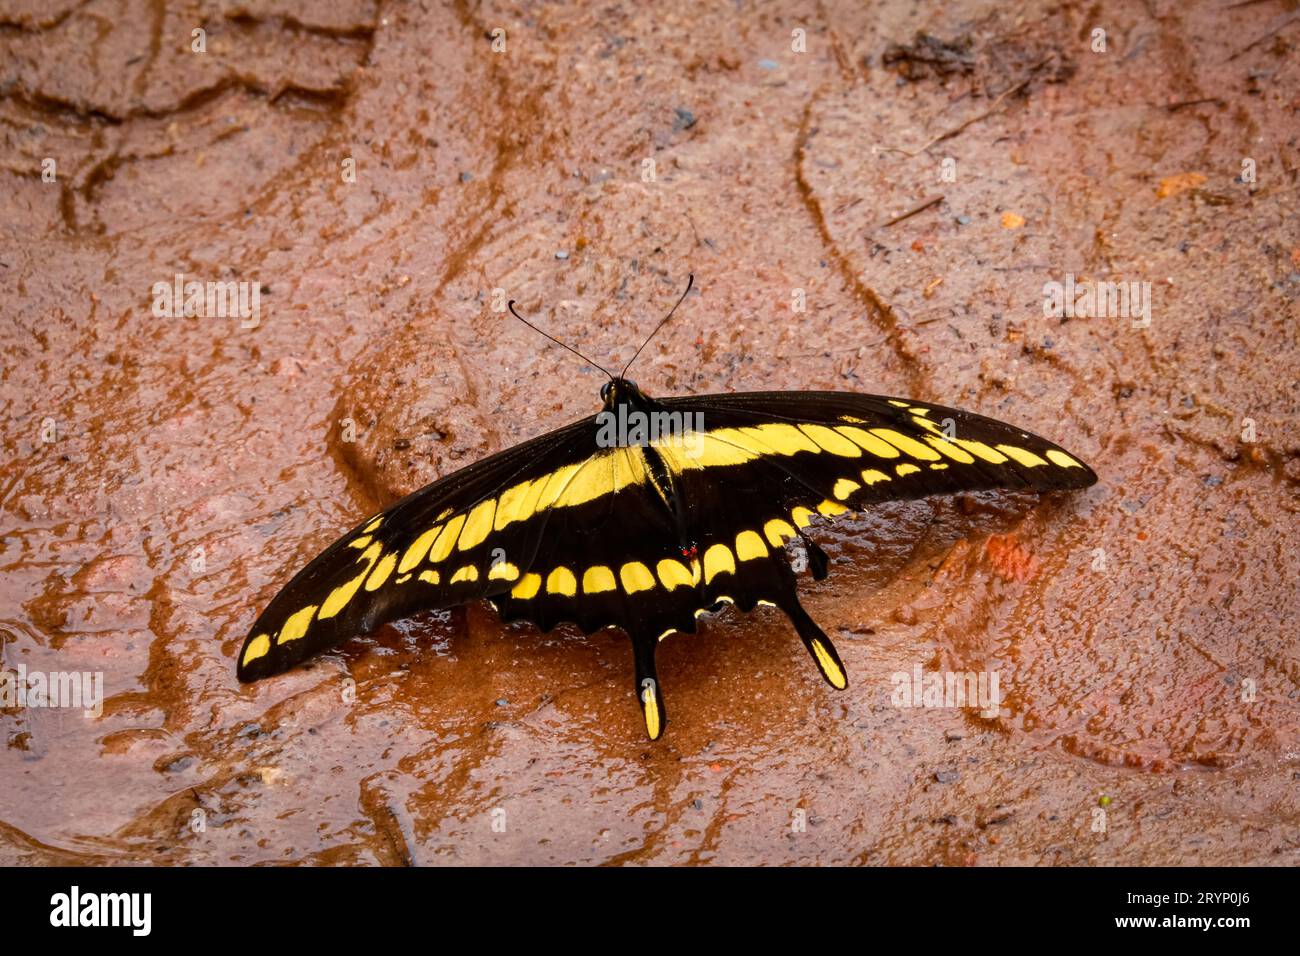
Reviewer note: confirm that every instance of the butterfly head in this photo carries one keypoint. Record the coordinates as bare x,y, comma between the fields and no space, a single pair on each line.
622,391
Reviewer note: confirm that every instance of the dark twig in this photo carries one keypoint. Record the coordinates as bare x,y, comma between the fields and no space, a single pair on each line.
1271,33
921,207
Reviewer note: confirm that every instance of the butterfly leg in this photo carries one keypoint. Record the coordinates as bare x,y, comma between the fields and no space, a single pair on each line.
818,562
648,692
818,644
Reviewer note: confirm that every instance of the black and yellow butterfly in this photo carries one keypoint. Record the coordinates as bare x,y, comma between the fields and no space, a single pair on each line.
651,528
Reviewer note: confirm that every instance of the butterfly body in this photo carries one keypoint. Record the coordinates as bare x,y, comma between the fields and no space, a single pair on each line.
645,517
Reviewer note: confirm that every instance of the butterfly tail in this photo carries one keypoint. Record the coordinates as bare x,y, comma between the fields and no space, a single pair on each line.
819,645
648,692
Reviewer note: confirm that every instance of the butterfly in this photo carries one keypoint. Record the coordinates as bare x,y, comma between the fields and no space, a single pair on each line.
647,516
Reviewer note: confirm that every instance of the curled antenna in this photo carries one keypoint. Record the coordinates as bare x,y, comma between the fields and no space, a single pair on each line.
511,306
689,283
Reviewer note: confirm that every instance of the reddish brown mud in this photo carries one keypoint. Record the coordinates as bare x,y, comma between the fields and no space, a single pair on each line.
162,477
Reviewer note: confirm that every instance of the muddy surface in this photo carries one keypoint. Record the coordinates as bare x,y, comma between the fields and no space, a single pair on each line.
379,171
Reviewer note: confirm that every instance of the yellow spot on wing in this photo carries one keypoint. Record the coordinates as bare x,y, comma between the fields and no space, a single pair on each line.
844,487
721,448
508,508
381,572
897,404
559,482
446,540
562,581
903,470
592,479
850,418
750,546
360,542
1058,457
256,648
832,441
596,579
528,505
571,485
718,560
782,439
831,508
503,571
636,577
378,520
1022,455
909,446
296,626
429,577
868,441
950,449
418,549
928,425
777,531
981,450
629,467
467,573
527,587
341,595
802,516
940,466
871,476
477,524
673,574
702,450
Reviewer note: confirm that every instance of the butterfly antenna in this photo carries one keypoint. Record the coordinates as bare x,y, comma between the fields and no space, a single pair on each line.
689,283
511,306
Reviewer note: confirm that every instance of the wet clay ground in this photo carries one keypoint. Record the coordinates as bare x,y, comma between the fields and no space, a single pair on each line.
1144,631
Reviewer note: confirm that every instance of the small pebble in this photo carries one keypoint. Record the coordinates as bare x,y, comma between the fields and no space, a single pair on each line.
768,64
947,776
562,254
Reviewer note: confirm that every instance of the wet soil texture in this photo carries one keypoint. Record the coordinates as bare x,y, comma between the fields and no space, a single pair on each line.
916,177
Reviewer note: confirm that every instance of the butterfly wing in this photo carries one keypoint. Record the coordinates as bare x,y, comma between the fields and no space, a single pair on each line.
764,464
648,538
430,550
908,449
